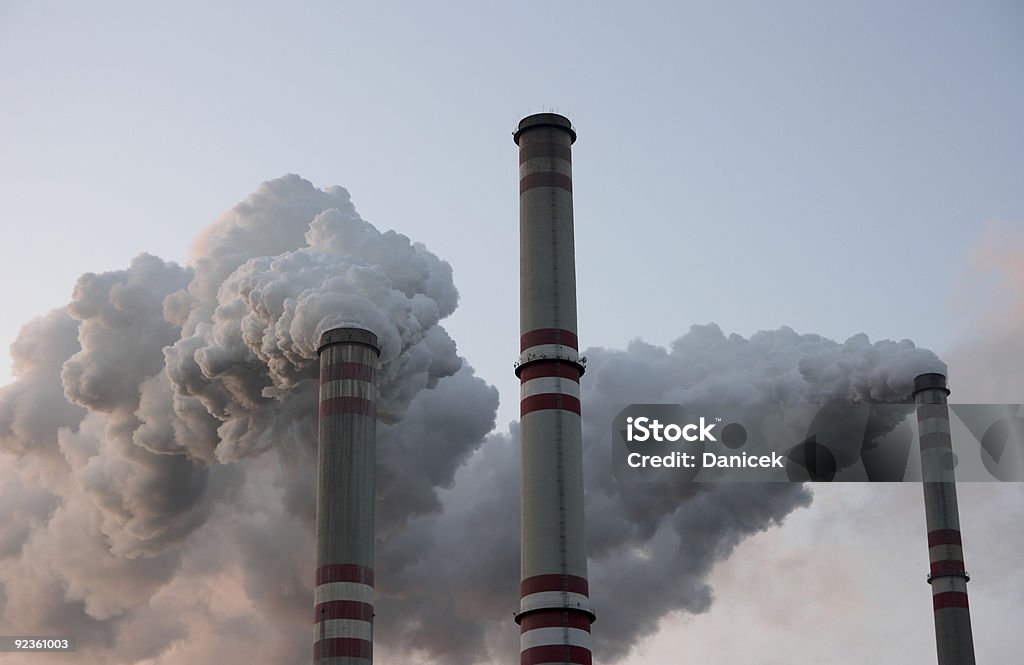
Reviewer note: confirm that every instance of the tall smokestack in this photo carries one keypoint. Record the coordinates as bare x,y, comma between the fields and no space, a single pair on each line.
554,614
948,575
343,596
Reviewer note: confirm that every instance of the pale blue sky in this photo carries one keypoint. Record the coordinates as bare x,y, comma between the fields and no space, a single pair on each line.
753,164
822,165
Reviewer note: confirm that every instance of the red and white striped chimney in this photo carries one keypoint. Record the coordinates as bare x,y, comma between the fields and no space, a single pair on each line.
554,614
343,596
948,575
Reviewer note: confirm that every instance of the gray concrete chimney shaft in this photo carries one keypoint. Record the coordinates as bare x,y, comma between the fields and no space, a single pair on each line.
948,575
343,596
554,614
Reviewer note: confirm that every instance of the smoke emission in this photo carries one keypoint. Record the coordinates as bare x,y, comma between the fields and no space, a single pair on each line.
650,547
156,495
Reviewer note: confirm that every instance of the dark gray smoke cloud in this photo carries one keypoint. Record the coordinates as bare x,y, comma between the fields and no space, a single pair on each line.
156,492
452,577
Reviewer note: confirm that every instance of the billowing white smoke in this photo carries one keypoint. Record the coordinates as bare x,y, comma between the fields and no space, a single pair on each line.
144,411
249,344
162,430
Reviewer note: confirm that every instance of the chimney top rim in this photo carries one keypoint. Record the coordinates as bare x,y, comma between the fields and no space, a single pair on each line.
348,335
536,120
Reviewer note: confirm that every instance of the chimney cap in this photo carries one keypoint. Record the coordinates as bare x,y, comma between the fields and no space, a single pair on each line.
349,335
930,381
544,120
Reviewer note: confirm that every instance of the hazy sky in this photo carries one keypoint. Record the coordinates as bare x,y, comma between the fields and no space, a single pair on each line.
818,165
826,166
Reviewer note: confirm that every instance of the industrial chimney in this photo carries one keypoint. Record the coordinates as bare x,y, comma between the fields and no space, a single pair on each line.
948,575
343,597
554,614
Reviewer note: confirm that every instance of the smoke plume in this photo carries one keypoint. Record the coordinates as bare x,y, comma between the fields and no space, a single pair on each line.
156,499
651,547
